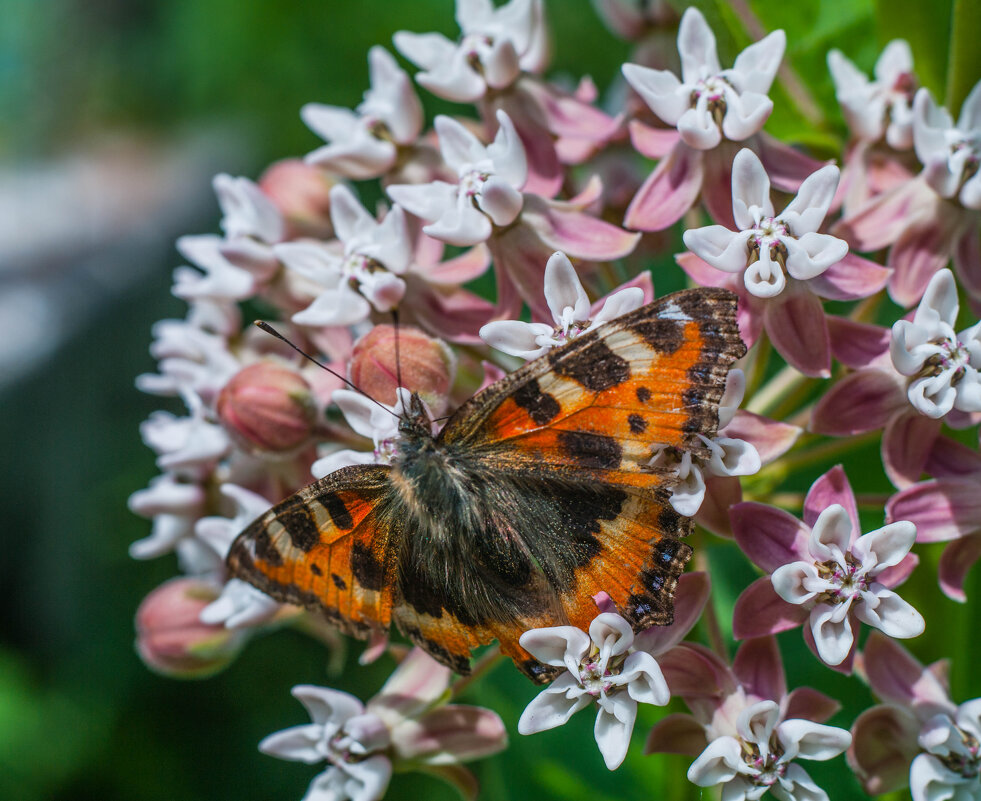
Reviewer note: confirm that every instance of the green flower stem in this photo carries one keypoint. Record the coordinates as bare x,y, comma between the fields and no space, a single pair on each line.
709,617
774,390
759,361
831,449
487,662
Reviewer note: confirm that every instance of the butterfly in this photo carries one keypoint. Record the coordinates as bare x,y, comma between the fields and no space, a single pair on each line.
536,495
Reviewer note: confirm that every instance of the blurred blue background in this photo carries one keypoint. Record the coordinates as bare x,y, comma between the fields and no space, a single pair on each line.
115,115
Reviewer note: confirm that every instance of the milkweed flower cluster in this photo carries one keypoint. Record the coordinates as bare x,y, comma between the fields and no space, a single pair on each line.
538,189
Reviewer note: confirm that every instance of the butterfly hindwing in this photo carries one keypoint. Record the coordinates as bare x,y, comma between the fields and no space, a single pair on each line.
325,548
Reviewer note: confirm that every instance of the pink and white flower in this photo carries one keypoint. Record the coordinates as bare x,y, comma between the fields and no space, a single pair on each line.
405,725
359,272
497,45
487,194
601,667
572,313
940,364
365,143
950,153
882,107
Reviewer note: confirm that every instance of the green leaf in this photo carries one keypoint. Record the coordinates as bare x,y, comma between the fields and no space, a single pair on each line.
964,66
926,26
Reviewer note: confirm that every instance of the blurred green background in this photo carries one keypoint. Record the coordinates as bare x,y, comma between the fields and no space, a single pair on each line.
87,80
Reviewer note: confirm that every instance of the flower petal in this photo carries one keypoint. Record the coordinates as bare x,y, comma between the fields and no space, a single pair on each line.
831,488
690,597
832,632
883,745
955,562
720,762
759,668
614,725
813,740
450,734
770,537
907,441
850,278
887,546
564,292
796,326
676,734
750,189
669,191
892,615
862,401
553,706
759,611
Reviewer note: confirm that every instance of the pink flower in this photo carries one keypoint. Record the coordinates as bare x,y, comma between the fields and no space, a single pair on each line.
365,143
405,725
919,737
823,572
745,729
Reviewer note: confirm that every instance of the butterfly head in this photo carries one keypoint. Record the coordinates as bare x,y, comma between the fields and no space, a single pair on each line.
416,420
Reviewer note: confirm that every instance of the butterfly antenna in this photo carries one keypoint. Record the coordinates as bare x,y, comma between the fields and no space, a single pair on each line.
398,358
270,330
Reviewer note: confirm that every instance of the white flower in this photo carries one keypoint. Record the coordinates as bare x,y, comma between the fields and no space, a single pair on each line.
727,456
941,364
496,46
377,421
571,311
951,765
216,278
360,273
185,445
840,580
710,102
766,244
364,143
601,667
950,153
247,211
488,193
880,107
345,735
174,506
761,756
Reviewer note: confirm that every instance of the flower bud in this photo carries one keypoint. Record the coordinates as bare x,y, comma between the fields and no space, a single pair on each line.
301,193
172,640
268,408
427,365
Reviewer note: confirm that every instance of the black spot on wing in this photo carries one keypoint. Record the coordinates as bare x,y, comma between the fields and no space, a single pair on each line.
594,365
369,572
338,582
638,425
665,336
643,394
315,569
265,549
299,525
652,602
669,521
597,451
541,407
338,512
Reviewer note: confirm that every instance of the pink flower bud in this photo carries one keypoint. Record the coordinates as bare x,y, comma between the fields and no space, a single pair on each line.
301,193
427,365
268,408
172,640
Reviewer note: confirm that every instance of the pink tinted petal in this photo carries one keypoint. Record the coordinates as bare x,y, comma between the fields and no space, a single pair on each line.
897,574
467,266
941,510
883,745
676,734
520,257
831,488
759,611
955,562
693,671
453,314
759,668
689,600
786,166
770,537
950,459
577,234
906,444
703,273
851,278
643,282
884,219
771,439
668,192
857,344
417,682
450,734
545,173
460,778
721,493
717,183
654,143
862,401
809,704
897,677
915,258
967,258
795,323
568,116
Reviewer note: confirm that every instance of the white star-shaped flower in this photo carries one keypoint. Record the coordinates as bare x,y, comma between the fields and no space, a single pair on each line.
488,192
496,46
571,312
950,153
881,107
840,581
950,766
601,667
761,756
360,271
710,103
767,244
942,365
364,143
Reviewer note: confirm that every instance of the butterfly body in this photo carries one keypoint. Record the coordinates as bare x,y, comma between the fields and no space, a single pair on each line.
537,494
